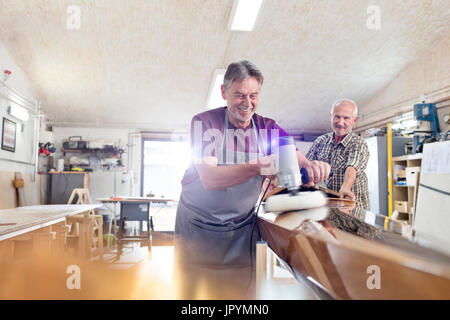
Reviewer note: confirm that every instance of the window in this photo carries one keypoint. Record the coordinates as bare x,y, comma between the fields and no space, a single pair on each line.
164,163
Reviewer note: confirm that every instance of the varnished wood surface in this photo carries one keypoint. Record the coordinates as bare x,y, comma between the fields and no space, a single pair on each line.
21,220
338,258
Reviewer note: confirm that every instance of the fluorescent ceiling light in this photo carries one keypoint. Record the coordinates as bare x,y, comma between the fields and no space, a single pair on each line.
19,112
215,99
244,14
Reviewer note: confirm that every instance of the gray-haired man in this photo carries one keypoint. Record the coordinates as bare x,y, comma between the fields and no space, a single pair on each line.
214,238
345,152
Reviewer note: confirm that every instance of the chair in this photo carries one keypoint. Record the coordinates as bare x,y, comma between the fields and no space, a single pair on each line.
86,228
135,212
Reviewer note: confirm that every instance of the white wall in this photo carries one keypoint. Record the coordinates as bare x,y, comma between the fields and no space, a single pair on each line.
303,146
24,138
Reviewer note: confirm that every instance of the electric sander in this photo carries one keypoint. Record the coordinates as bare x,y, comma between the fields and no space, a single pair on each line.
290,178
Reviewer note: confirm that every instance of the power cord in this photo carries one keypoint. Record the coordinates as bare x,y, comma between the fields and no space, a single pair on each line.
251,234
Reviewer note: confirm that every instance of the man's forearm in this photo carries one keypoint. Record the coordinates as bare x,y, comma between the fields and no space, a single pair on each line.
221,177
349,178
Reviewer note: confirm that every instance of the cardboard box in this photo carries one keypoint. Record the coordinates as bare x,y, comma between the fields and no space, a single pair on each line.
401,206
411,176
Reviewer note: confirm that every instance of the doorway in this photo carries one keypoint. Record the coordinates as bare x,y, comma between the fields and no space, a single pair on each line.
163,165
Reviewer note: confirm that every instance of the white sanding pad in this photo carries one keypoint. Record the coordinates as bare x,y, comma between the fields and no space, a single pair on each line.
299,201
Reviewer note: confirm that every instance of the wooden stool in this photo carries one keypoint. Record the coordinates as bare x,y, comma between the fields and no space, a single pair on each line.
84,229
85,226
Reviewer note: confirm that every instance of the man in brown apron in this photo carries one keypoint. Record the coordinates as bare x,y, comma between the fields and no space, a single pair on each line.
215,230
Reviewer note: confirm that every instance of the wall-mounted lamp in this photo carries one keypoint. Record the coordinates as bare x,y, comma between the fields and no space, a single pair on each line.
19,112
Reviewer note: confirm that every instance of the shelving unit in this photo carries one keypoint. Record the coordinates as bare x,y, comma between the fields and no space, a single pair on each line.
100,153
403,195
117,152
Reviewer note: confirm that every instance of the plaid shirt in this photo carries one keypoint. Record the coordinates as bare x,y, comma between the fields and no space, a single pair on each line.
351,151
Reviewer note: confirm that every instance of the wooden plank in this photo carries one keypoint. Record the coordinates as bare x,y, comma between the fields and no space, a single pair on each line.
19,185
33,191
8,192
408,157
261,264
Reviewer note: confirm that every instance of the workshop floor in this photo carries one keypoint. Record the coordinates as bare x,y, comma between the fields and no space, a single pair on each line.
161,266
161,263
135,275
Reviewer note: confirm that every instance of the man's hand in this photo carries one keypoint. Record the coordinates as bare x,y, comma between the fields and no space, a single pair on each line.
317,171
266,166
345,192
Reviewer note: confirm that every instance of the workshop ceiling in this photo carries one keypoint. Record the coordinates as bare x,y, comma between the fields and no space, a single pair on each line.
149,64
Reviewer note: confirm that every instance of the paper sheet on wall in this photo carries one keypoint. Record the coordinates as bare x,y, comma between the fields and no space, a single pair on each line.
436,157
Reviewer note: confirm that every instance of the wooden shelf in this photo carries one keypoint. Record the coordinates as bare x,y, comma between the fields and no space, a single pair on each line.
417,156
68,172
405,192
72,151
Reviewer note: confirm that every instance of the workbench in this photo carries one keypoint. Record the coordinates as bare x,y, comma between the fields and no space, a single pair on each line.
132,209
44,225
129,200
21,220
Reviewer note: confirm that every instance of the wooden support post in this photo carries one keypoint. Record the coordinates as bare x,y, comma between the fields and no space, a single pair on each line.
85,237
261,264
97,222
60,230
99,219
271,263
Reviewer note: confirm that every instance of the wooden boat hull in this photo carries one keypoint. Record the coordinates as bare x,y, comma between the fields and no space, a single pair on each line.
341,265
